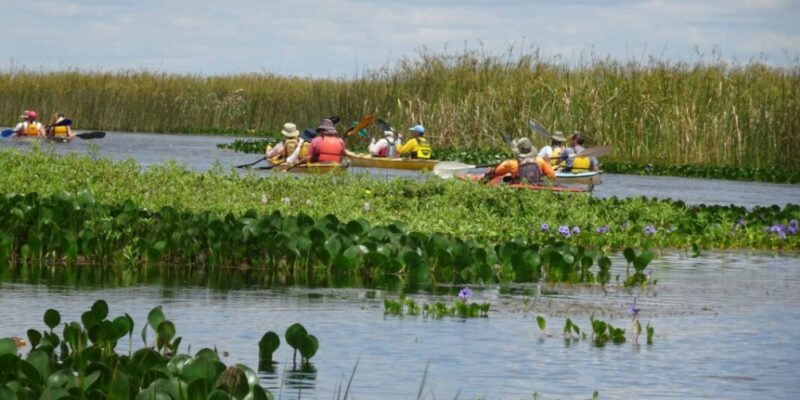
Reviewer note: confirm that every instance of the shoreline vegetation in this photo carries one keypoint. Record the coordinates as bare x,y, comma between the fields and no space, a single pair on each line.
704,113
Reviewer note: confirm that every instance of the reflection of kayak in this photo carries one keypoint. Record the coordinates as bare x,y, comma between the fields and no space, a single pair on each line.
313,168
582,178
369,161
529,186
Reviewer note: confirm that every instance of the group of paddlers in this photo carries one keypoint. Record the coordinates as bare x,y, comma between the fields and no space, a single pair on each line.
58,128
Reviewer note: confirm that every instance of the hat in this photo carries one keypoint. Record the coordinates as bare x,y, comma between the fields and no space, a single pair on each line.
309,134
290,130
559,136
417,128
388,133
525,148
326,127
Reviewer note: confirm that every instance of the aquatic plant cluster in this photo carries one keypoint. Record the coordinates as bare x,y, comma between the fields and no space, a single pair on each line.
461,307
451,208
82,363
655,111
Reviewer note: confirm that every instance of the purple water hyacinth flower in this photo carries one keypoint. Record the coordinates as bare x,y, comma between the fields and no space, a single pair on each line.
782,235
649,230
776,229
545,227
576,230
564,230
602,230
633,310
465,294
367,207
793,224
792,230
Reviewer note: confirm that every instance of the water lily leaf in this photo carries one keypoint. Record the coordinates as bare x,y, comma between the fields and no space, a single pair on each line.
8,346
541,322
52,318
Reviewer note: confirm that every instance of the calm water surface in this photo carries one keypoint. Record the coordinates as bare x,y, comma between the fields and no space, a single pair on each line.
726,327
201,153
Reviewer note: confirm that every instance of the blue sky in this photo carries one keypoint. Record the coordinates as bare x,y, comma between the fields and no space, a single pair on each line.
340,38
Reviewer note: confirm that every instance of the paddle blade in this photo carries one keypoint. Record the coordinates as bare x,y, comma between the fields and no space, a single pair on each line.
91,135
7,133
367,121
539,129
448,169
597,151
63,122
384,125
248,165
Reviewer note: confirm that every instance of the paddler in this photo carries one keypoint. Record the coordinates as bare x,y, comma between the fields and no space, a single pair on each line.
285,148
577,163
417,146
525,168
60,128
386,146
327,147
29,126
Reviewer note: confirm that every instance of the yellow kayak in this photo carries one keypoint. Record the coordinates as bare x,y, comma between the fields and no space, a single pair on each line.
366,160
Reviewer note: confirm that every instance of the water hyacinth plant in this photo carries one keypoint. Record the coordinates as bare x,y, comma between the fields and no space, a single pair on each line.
461,307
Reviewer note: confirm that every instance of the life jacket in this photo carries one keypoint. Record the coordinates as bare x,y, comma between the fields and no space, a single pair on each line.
529,172
390,150
423,148
584,163
60,131
330,150
304,149
289,144
30,128
554,156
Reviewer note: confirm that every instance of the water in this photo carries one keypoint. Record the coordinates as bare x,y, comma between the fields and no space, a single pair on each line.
201,152
725,324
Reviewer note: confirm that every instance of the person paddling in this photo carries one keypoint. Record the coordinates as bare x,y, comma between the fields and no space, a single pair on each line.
327,147
284,149
29,126
417,146
302,149
60,128
386,146
525,168
551,152
577,163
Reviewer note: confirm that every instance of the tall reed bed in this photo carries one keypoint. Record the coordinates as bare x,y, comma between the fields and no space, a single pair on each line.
655,111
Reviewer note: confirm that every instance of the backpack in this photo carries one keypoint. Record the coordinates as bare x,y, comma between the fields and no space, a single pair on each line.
530,173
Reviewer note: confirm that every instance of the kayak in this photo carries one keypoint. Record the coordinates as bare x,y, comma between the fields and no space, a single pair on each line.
366,160
529,186
580,178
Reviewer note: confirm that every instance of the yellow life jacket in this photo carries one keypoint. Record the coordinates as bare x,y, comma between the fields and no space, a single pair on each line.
584,163
423,148
60,130
32,129
304,149
554,156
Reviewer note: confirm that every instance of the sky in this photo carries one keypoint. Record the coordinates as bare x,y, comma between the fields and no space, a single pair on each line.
344,38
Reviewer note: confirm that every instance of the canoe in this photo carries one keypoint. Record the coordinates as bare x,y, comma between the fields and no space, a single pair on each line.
580,177
313,168
366,160
528,186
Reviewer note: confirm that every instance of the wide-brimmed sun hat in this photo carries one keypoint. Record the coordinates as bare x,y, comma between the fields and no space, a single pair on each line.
326,127
290,130
309,134
525,148
559,136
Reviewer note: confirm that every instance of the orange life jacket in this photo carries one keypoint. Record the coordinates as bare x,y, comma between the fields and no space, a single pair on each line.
330,149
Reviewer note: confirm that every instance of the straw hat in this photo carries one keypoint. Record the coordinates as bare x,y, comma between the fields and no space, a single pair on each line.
525,148
559,136
290,130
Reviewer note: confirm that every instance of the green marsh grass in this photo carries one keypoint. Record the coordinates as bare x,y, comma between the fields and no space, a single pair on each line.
709,113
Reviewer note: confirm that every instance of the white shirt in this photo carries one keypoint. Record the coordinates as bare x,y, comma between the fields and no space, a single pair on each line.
376,147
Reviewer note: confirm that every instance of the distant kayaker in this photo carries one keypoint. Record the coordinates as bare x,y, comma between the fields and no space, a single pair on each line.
284,149
386,146
327,147
579,163
525,168
60,128
554,149
29,126
417,146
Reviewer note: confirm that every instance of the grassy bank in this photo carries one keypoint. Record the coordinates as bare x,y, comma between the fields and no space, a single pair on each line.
704,113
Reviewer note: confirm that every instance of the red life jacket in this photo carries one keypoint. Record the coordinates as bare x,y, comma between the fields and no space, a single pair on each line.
389,150
330,149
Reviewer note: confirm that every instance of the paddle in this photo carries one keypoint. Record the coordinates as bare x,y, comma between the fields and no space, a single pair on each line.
384,125
539,129
597,151
447,169
64,122
361,125
91,135
271,166
7,133
248,165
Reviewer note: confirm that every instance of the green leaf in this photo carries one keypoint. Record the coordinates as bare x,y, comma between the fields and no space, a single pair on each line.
200,368
89,380
7,394
100,310
155,317
166,330
7,346
52,318
295,334
63,379
309,346
268,344
541,322
641,262
629,254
